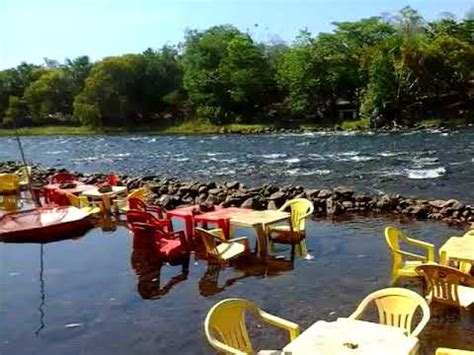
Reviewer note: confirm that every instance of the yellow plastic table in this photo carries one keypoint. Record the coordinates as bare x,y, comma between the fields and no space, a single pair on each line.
105,196
350,336
259,220
460,249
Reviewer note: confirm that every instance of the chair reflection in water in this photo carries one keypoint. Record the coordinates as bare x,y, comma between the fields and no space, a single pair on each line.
148,263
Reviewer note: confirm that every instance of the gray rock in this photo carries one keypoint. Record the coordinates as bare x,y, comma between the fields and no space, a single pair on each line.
250,203
277,196
272,205
324,193
232,185
343,192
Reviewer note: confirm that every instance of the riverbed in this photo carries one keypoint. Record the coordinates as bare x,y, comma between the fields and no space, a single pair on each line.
428,164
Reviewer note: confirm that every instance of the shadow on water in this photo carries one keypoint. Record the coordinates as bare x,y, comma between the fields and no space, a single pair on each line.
109,293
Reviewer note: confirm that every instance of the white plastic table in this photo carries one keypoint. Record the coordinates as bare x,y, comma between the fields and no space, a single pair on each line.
259,220
349,336
105,196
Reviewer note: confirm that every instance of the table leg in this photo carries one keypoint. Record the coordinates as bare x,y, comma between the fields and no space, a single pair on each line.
189,226
106,200
261,240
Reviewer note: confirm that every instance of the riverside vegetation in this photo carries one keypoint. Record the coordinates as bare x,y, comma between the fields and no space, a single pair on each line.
375,72
171,193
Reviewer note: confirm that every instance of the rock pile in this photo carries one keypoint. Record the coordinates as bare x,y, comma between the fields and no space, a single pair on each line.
171,193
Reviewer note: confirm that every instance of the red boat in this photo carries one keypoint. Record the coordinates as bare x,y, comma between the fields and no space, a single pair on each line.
43,224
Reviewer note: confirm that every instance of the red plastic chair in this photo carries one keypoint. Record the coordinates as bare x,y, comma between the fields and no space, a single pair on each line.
169,245
144,216
59,178
137,204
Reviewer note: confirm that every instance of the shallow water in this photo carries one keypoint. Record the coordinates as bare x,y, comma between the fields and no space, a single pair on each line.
432,164
89,299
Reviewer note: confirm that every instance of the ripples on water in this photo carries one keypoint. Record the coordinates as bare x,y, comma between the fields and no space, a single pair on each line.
426,164
106,294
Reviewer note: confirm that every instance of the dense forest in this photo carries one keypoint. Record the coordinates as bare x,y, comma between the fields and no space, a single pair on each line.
388,70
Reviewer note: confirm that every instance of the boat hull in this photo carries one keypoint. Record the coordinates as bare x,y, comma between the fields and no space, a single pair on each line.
44,225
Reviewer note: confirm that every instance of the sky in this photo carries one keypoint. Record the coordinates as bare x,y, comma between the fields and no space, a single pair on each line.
58,29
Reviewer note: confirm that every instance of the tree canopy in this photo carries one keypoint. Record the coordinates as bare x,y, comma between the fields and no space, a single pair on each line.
391,69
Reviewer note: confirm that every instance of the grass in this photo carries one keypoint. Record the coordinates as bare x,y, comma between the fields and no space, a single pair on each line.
48,131
351,125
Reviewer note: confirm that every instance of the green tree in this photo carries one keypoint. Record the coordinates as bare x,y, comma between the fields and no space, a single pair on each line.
51,94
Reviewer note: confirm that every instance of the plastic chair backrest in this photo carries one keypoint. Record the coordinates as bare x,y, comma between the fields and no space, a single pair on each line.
443,282
136,204
59,178
225,325
209,240
300,208
140,216
140,193
396,307
77,201
9,182
393,236
23,174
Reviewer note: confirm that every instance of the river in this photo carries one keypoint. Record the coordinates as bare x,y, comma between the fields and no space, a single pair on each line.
105,294
428,164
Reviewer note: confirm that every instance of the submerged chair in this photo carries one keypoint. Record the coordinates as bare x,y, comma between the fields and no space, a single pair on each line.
84,204
300,208
144,216
169,245
123,205
396,307
226,330
401,265
218,248
448,285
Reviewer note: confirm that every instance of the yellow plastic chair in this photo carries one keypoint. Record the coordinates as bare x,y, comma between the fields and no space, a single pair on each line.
300,208
226,330
396,307
121,205
24,174
9,183
218,248
447,351
448,285
9,190
401,266
84,204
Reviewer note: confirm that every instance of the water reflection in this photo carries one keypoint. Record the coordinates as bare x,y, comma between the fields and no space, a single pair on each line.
42,293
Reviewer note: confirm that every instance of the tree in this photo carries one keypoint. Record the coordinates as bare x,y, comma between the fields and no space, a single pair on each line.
51,94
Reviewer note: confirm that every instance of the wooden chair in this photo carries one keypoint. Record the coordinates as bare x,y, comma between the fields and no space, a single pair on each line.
448,285
300,208
226,330
404,263
396,307
219,249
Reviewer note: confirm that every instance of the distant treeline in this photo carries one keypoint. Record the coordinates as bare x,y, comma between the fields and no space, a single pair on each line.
389,69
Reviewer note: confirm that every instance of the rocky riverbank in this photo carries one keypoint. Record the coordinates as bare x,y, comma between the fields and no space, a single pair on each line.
171,193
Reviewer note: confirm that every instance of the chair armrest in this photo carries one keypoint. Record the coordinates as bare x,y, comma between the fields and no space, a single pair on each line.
292,328
413,255
219,234
428,247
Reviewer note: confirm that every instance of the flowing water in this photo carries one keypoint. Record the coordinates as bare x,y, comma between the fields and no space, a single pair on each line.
105,293
432,164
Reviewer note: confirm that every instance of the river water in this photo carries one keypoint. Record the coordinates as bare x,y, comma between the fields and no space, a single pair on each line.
105,293
430,164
